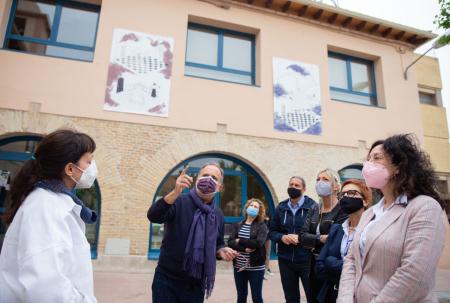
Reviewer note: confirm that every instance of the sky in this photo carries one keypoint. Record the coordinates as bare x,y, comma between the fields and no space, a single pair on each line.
419,14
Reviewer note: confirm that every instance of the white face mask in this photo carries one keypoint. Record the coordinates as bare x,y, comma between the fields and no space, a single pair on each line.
88,177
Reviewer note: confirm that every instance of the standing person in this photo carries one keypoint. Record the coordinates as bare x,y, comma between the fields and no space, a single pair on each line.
45,255
248,238
354,198
397,245
193,238
293,259
317,225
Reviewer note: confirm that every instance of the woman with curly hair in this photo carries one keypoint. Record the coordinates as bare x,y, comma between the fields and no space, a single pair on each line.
398,242
248,238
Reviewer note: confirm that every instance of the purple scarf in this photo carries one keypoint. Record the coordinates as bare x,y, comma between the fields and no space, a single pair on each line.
200,252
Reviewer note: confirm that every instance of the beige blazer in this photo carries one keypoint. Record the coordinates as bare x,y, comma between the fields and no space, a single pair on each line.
400,257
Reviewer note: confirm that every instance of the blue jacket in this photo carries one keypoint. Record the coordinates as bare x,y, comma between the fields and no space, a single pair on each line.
177,219
329,265
283,223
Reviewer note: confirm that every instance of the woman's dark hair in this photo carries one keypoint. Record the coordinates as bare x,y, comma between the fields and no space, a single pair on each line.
415,175
52,154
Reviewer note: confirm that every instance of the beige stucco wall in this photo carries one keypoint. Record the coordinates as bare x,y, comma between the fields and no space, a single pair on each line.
428,73
76,88
434,121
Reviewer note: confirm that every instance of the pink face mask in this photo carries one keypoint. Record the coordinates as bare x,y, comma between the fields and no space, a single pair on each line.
375,174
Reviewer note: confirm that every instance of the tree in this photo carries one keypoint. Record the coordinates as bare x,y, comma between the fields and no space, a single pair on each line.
443,20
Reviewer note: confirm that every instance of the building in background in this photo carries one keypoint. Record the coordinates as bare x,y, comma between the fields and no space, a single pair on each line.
270,89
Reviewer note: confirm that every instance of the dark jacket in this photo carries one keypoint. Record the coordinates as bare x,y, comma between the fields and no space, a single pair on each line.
329,265
178,219
309,238
258,236
283,223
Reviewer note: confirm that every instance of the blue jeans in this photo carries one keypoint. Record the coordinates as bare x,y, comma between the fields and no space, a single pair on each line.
255,278
169,290
290,274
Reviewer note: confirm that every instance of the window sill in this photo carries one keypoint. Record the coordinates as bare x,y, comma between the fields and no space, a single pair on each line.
46,56
226,81
356,103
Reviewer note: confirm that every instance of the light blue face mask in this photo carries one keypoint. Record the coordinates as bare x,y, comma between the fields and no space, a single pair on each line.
324,188
252,211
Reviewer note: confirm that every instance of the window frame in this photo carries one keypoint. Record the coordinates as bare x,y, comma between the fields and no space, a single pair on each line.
348,60
52,40
220,32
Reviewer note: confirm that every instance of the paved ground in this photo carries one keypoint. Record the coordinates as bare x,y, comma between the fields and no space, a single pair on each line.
135,288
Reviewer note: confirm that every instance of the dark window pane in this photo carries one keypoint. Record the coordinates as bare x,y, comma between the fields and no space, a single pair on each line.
91,199
78,26
50,50
231,198
33,19
426,98
20,146
29,47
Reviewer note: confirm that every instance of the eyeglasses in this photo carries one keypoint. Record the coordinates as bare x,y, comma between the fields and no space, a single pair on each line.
375,157
349,193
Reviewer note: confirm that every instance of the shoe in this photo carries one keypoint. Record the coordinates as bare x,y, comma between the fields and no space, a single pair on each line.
269,272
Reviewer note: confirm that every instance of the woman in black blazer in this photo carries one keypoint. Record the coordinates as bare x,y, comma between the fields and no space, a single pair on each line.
354,197
248,238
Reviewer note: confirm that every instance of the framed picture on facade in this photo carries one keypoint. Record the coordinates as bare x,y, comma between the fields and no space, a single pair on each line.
296,95
139,73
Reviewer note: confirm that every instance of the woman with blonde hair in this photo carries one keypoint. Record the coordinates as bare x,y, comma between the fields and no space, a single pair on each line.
317,225
248,238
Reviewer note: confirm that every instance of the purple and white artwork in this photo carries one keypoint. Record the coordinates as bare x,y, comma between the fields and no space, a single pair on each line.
139,73
296,95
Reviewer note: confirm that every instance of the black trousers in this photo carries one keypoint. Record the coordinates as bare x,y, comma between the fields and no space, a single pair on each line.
314,283
290,274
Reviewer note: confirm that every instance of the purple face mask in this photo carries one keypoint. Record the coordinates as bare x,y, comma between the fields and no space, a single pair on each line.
206,185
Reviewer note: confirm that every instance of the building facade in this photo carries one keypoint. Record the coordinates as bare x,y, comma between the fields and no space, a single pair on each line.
270,89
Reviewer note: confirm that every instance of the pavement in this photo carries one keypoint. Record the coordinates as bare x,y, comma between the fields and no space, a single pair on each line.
114,287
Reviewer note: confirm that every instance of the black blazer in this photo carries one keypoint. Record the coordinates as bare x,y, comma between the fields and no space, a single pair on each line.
329,265
308,236
258,236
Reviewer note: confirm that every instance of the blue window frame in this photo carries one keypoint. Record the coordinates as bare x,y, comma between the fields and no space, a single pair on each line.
352,79
241,183
220,54
14,151
57,28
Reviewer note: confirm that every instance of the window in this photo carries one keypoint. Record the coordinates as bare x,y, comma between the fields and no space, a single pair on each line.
352,79
59,28
427,98
241,182
220,54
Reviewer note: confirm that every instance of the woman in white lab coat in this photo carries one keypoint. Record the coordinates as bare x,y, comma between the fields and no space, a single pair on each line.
45,255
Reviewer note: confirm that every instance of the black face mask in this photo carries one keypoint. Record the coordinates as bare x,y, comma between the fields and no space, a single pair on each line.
351,205
294,193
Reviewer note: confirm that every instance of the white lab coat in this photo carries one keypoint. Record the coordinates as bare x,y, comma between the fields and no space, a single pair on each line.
45,256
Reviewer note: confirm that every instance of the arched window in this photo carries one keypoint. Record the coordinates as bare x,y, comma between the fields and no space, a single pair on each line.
241,182
14,151
351,172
